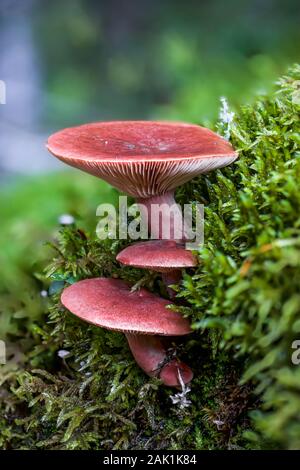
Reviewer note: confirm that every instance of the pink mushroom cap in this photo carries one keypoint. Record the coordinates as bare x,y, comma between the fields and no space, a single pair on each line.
157,255
142,158
109,303
169,373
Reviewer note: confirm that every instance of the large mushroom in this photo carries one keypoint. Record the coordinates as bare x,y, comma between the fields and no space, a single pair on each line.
141,315
147,160
164,256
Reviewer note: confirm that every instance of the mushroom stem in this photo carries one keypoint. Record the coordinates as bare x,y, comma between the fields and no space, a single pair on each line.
169,278
164,217
151,355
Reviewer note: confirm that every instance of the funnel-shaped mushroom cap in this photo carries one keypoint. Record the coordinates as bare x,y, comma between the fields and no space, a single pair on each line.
142,158
109,303
158,255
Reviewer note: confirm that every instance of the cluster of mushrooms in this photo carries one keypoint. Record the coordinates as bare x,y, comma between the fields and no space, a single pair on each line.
147,160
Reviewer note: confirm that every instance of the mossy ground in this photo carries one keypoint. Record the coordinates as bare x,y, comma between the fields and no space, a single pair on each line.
243,301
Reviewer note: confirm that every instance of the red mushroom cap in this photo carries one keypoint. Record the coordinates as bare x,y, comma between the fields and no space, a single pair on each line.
142,158
109,303
169,373
158,255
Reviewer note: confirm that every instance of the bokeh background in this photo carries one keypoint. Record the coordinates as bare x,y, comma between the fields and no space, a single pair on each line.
73,61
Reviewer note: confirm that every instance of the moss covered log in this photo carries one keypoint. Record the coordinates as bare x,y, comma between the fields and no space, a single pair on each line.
68,385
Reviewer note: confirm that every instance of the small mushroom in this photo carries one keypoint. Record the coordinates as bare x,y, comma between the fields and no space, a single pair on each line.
163,256
141,315
145,159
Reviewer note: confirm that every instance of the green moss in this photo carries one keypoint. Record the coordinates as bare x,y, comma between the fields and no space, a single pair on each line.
243,300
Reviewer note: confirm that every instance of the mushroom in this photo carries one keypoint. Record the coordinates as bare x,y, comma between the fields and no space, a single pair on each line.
163,256
145,159
141,315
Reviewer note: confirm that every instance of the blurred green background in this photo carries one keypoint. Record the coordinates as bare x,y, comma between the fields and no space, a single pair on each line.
70,62
168,59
